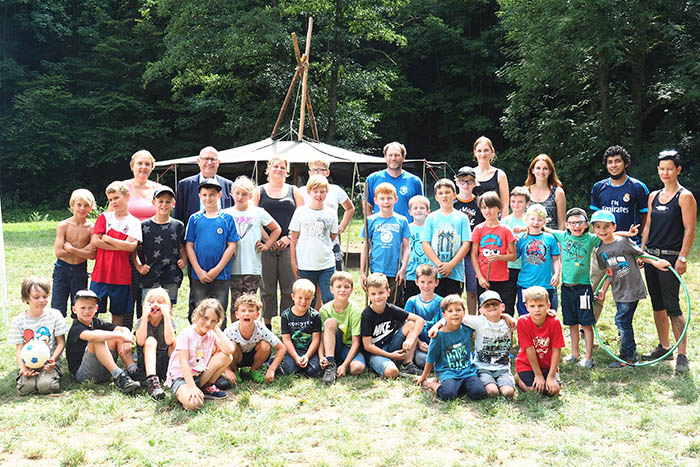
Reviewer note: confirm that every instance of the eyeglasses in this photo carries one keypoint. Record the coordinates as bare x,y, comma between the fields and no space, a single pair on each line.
465,182
576,222
318,171
209,160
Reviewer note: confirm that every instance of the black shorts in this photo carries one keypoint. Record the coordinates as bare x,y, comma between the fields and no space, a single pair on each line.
162,360
528,377
663,288
247,359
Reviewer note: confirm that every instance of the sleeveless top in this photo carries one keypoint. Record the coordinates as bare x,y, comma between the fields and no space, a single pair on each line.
666,229
551,206
488,185
281,209
140,208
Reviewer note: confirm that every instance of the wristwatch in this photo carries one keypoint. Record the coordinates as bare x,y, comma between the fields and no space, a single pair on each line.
682,259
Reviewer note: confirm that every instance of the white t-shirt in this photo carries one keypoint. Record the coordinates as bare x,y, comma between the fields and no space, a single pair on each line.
249,225
336,196
45,328
491,343
260,333
314,246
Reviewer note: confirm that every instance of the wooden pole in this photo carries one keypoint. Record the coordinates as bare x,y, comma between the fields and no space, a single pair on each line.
305,77
287,98
309,107
367,243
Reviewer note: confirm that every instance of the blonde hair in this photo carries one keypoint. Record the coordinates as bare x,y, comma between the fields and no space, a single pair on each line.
82,194
401,147
208,304
142,153
249,299
317,182
418,199
484,139
537,210
453,299
536,294
342,276
377,280
117,186
303,285
34,282
322,162
162,293
426,270
385,188
275,160
243,183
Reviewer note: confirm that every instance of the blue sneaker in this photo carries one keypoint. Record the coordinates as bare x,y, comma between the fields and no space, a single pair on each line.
211,392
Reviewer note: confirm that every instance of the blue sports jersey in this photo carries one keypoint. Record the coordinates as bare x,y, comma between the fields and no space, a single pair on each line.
211,236
407,186
429,311
417,254
386,235
450,353
627,202
536,252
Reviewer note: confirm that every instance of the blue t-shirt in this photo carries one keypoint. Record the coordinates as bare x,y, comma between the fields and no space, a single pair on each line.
446,234
450,354
627,202
210,236
429,311
407,186
536,252
386,235
417,254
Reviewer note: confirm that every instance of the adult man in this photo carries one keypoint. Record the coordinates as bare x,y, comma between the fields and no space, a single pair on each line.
624,196
187,196
407,185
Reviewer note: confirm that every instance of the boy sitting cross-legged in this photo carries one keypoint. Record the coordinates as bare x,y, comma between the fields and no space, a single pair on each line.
253,342
93,345
450,354
426,305
341,332
389,333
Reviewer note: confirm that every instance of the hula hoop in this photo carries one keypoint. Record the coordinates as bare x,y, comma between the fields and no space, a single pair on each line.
678,341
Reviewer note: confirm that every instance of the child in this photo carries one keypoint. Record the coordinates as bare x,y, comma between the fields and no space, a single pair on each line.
540,254
246,265
155,339
72,249
389,333
617,255
389,248
195,366
419,207
301,332
162,256
44,324
427,306
494,246
450,354
341,332
466,204
211,237
446,239
313,229
492,343
115,236
541,341
519,199
93,345
252,340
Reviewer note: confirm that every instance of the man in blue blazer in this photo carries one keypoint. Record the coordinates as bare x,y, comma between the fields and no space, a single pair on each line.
187,196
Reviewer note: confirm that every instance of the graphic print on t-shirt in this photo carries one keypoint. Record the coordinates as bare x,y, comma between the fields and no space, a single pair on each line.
495,350
617,265
490,244
386,234
574,250
536,252
382,330
445,237
457,356
243,223
541,345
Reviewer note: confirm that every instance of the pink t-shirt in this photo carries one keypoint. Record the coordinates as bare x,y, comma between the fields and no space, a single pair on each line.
141,208
492,241
199,350
543,339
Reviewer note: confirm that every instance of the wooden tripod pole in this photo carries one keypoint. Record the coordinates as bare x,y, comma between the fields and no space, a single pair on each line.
288,97
304,78
309,107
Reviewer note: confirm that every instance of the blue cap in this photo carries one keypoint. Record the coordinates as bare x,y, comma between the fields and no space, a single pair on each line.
603,216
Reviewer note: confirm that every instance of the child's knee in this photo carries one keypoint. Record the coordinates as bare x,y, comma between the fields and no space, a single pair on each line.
330,325
491,389
150,344
406,328
507,391
356,368
263,348
391,371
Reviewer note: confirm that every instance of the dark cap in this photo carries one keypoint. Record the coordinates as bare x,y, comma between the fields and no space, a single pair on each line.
466,171
163,189
489,295
86,293
210,183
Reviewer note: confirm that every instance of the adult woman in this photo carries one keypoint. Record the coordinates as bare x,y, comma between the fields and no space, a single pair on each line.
141,189
280,200
489,178
545,189
669,233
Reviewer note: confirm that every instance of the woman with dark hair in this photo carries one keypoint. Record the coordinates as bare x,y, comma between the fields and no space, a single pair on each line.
489,178
546,189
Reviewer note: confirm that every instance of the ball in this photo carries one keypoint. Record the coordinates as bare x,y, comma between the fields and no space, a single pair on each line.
34,354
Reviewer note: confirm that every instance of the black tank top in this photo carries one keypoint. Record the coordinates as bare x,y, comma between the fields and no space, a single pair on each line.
281,209
666,229
489,185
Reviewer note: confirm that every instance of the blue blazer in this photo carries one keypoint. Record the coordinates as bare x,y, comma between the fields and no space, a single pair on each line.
187,196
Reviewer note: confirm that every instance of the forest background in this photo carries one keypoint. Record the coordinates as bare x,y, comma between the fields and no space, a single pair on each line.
85,83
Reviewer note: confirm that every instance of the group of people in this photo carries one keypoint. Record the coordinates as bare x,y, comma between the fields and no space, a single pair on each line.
508,249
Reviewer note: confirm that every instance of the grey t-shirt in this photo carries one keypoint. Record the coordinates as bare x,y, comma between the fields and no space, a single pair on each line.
157,332
618,257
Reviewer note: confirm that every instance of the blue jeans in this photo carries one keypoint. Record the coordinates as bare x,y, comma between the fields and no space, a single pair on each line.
380,363
623,321
67,280
323,279
453,388
289,366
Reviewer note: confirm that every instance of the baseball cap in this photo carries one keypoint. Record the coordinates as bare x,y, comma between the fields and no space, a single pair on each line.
210,183
162,190
489,295
466,171
87,293
603,216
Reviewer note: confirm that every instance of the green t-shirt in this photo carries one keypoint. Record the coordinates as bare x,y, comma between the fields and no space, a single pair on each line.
348,321
576,256
512,222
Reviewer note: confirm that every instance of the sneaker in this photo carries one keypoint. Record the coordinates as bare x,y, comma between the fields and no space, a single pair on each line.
211,392
137,375
682,364
154,389
329,373
586,363
630,363
411,369
223,383
657,353
571,359
257,376
125,383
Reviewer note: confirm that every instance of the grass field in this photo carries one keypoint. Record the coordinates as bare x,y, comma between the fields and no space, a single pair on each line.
644,416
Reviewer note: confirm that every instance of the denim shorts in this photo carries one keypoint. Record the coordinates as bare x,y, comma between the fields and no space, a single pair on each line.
179,382
380,363
571,309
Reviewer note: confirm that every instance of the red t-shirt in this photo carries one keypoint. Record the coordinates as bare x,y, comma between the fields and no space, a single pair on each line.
112,266
543,339
492,241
